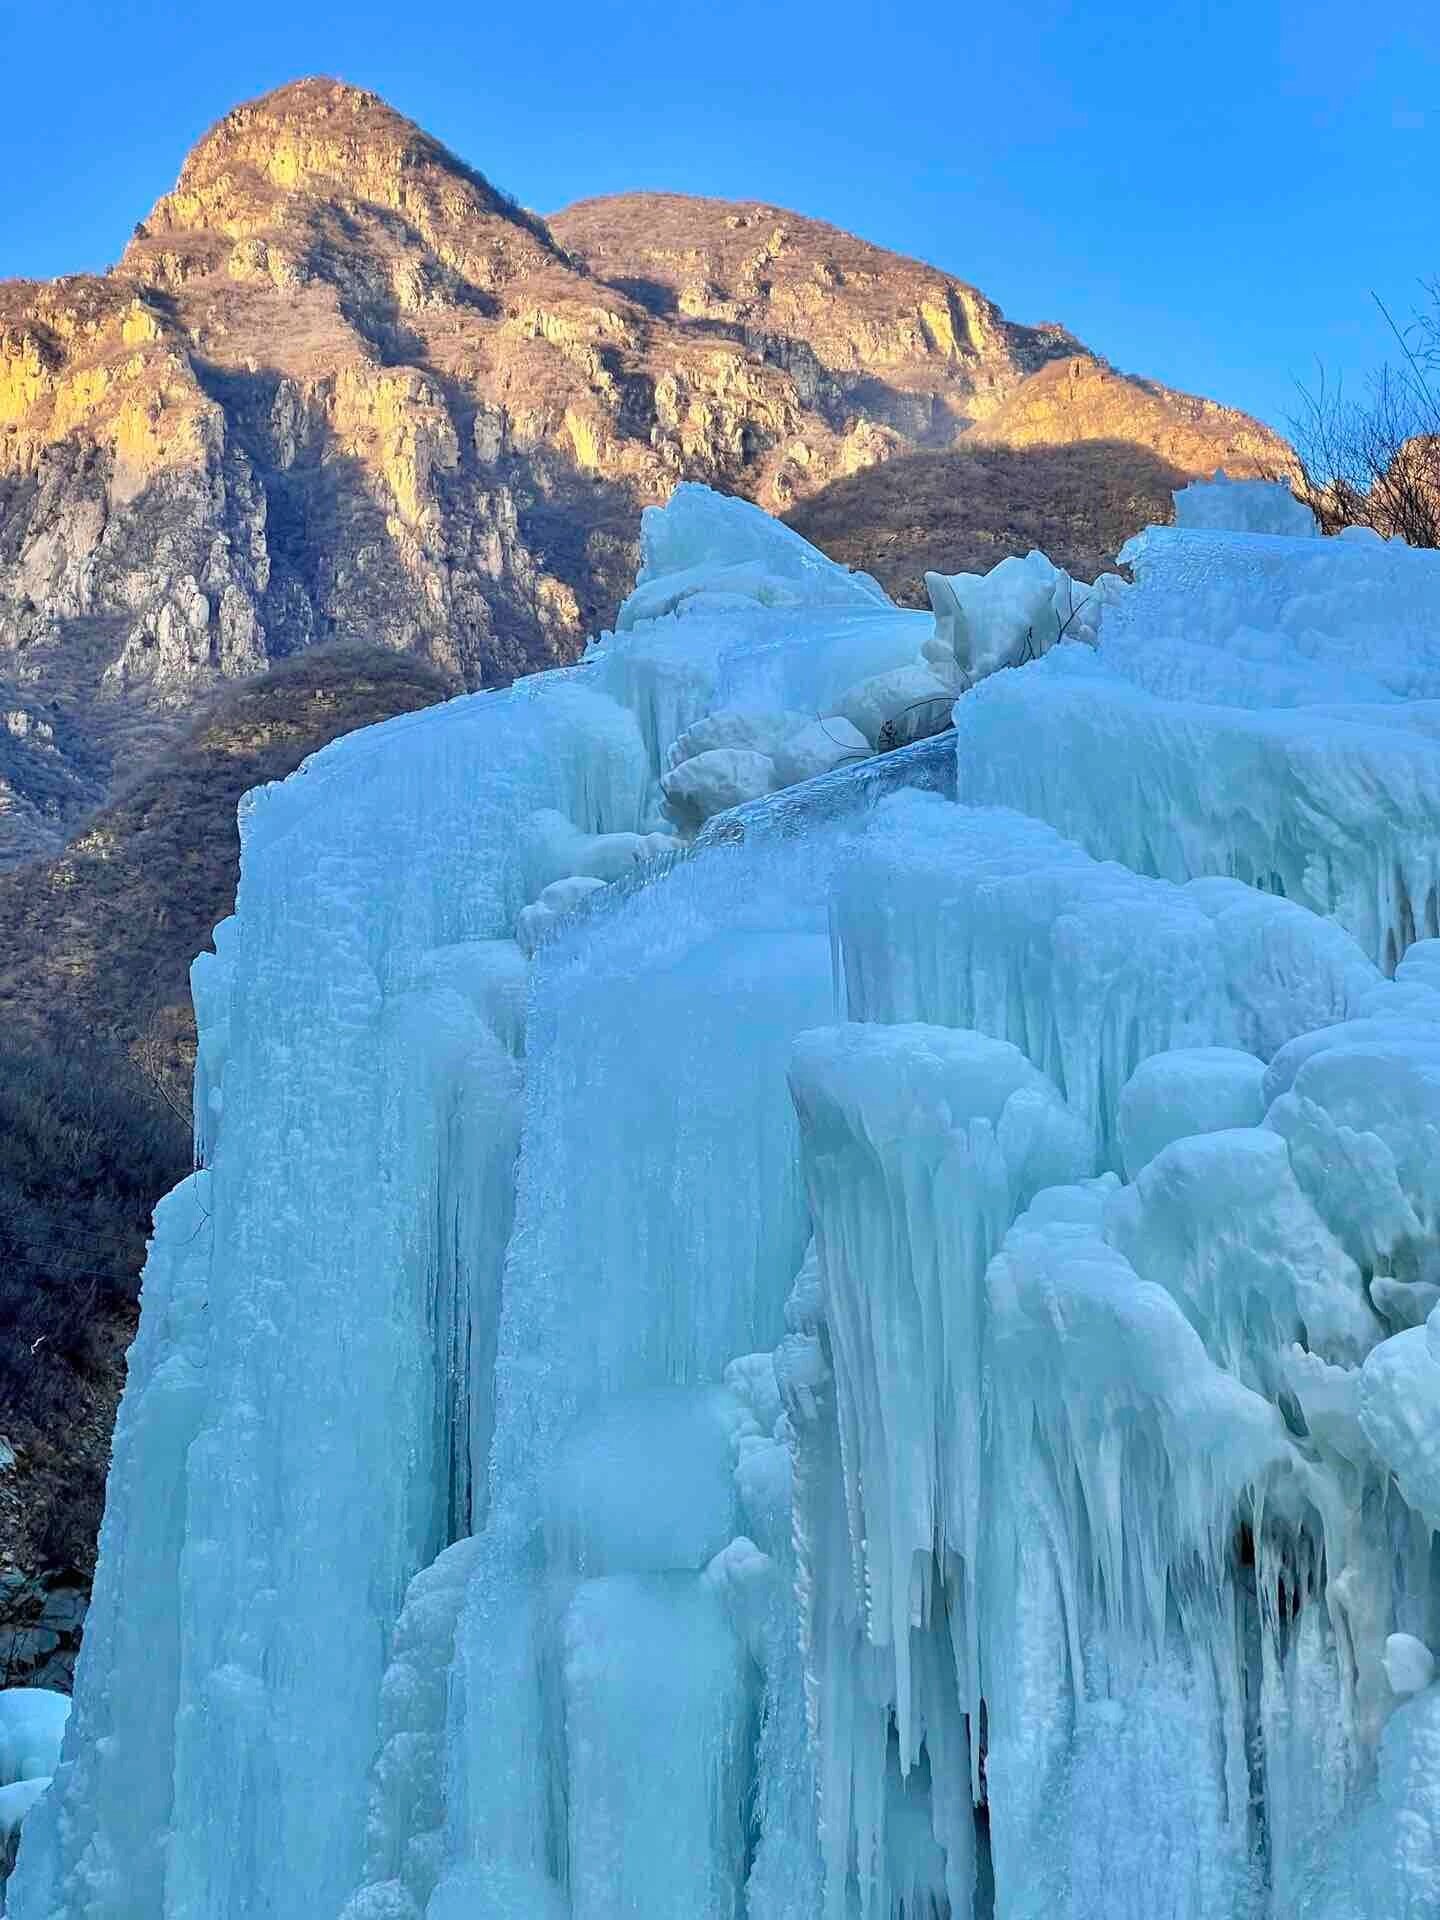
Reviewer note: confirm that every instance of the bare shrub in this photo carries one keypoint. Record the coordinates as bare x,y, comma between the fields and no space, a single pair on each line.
1374,461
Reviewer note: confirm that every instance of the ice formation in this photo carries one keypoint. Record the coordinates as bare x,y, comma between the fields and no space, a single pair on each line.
1243,506
1016,612
790,1316
32,1724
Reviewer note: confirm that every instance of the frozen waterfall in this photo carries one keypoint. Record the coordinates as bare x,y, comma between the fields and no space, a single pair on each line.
882,1358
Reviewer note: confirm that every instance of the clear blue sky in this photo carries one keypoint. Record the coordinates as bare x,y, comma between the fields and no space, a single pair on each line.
1204,192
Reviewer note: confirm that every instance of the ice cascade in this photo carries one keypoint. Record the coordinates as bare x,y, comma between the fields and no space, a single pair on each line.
792,1309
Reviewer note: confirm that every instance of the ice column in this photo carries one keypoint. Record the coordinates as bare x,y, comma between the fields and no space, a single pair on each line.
608,1681
296,1450
1117,1765
920,1146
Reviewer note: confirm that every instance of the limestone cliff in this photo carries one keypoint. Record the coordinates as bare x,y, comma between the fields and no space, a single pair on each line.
340,387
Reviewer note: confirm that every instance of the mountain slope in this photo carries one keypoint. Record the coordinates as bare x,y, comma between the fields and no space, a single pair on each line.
339,387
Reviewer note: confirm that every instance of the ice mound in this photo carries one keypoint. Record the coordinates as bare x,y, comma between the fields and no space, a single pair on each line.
489,975
557,902
818,748
1400,1413
1420,965
1186,1090
713,782
892,709
1409,1664
1242,506
1222,1223
32,1723
557,850
1359,1104
748,729
873,1353
704,543
1017,611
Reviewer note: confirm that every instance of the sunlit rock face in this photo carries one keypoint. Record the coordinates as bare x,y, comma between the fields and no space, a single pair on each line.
881,1360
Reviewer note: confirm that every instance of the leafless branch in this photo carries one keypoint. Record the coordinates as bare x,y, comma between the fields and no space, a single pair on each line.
1375,462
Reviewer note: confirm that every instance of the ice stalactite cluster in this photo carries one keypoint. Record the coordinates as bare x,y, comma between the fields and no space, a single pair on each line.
772,1328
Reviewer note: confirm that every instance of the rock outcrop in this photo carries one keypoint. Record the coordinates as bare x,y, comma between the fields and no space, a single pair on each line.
340,387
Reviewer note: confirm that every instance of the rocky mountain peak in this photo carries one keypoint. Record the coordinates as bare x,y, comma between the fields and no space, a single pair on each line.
319,166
